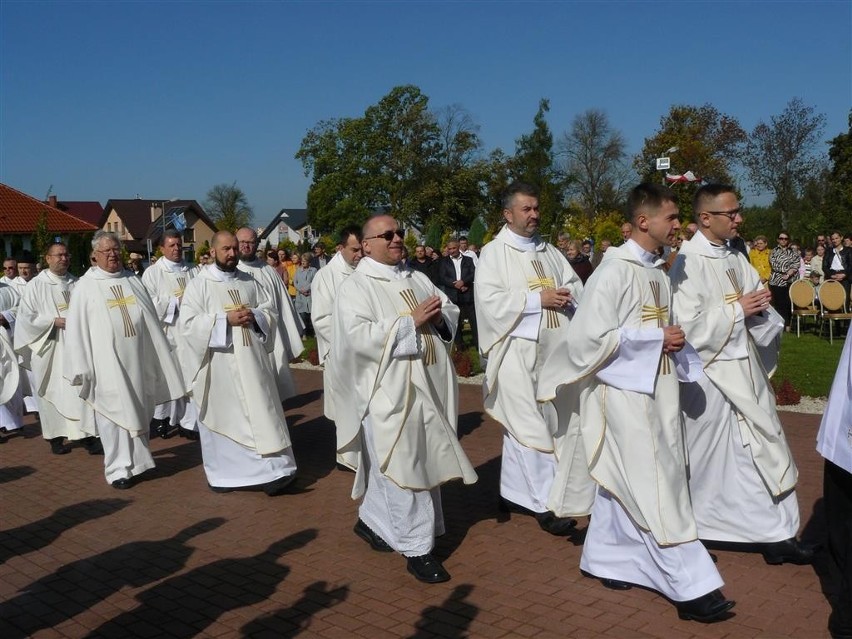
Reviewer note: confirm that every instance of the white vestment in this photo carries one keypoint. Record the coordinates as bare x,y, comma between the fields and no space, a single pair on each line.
42,345
12,406
741,472
516,336
288,329
642,529
323,292
165,282
28,381
244,436
397,387
118,356
834,440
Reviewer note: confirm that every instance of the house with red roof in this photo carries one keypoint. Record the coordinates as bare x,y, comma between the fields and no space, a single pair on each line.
19,219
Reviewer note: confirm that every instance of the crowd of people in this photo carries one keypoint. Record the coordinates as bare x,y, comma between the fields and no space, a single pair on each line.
652,419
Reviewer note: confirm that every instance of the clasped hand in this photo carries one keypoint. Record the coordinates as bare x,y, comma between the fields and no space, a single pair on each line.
240,317
556,298
755,302
429,310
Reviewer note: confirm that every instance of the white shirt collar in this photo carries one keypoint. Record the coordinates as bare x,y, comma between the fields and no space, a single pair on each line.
651,260
395,272
219,274
521,242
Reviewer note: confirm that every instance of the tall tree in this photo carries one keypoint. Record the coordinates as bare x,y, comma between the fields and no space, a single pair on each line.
707,143
595,156
839,195
228,207
534,162
782,156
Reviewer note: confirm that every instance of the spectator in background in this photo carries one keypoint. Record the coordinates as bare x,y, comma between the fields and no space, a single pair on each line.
626,231
455,275
302,281
784,267
847,240
319,258
599,254
807,264
562,241
467,250
135,264
586,249
420,262
431,254
759,258
817,266
738,244
273,260
579,260
837,263
690,230
292,265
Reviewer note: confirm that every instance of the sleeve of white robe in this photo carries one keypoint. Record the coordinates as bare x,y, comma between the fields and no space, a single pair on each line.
34,322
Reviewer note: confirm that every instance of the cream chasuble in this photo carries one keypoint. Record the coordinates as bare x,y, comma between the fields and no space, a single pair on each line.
288,334
412,400
38,341
707,281
9,375
516,339
323,291
232,385
116,352
633,440
166,282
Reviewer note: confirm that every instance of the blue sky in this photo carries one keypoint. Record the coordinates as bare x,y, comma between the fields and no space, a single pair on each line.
165,99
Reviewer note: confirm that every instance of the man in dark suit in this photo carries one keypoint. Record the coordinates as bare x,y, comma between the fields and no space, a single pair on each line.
420,262
837,262
319,259
455,274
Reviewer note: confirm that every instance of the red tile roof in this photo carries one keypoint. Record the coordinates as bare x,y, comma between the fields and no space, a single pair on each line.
91,212
19,213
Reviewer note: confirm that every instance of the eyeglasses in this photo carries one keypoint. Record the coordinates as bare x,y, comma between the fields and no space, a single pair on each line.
781,237
112,251
387,236
728,214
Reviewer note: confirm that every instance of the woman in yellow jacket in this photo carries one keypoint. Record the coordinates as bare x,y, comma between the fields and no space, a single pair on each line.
759,257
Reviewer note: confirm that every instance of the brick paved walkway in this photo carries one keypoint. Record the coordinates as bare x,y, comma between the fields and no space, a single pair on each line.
170,558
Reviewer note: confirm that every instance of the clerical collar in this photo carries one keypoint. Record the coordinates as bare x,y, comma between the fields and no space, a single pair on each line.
171,266
395,272
521,242
219,274
649,259
719,250
108,274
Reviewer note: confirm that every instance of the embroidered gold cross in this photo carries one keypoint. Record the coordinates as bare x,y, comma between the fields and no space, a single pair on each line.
63,306
178,292
122,303
544,283
730,298
430,350
238,306
661,315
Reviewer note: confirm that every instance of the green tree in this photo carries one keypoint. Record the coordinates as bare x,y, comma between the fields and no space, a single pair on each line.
595,157
781,156
228,207
42,237
477,232
534,162
705,142
838,209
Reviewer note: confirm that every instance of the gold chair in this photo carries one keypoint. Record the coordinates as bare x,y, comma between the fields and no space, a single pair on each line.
832,299
803,303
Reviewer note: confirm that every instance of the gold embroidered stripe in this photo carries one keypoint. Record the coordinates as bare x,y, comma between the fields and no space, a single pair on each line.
121,302
238,306
430,354
541,281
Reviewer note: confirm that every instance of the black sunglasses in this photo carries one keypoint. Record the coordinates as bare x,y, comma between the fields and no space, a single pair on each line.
387,236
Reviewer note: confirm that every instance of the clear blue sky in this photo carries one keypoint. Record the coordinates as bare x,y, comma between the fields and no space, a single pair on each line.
165,99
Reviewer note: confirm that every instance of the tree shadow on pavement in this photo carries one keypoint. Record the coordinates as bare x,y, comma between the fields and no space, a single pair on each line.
185,605
450,620
464,506
173,460
293,620
13,473
469,422
315,448
302,399
43,532
78,586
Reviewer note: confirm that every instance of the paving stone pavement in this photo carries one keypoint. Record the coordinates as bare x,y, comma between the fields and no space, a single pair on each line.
170,558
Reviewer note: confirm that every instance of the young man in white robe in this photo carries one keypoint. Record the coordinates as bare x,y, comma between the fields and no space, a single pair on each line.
12,409
742,476
625,355
40,339
288,329
396,399
834,443
119,359
525,294
324,291
26,272
165,281
227,331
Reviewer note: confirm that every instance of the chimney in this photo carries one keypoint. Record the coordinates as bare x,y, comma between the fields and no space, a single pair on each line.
156,210
51,200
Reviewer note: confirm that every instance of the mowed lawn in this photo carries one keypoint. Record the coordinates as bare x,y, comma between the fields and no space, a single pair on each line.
809,362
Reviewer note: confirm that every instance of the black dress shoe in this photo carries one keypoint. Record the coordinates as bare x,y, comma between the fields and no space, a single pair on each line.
188,434
93,445
612,584
278,486
547,521
57,447
427,569
221,489
376,543
705,609
789,551
122,484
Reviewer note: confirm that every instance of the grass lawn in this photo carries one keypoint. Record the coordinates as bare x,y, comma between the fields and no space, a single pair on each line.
809,362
